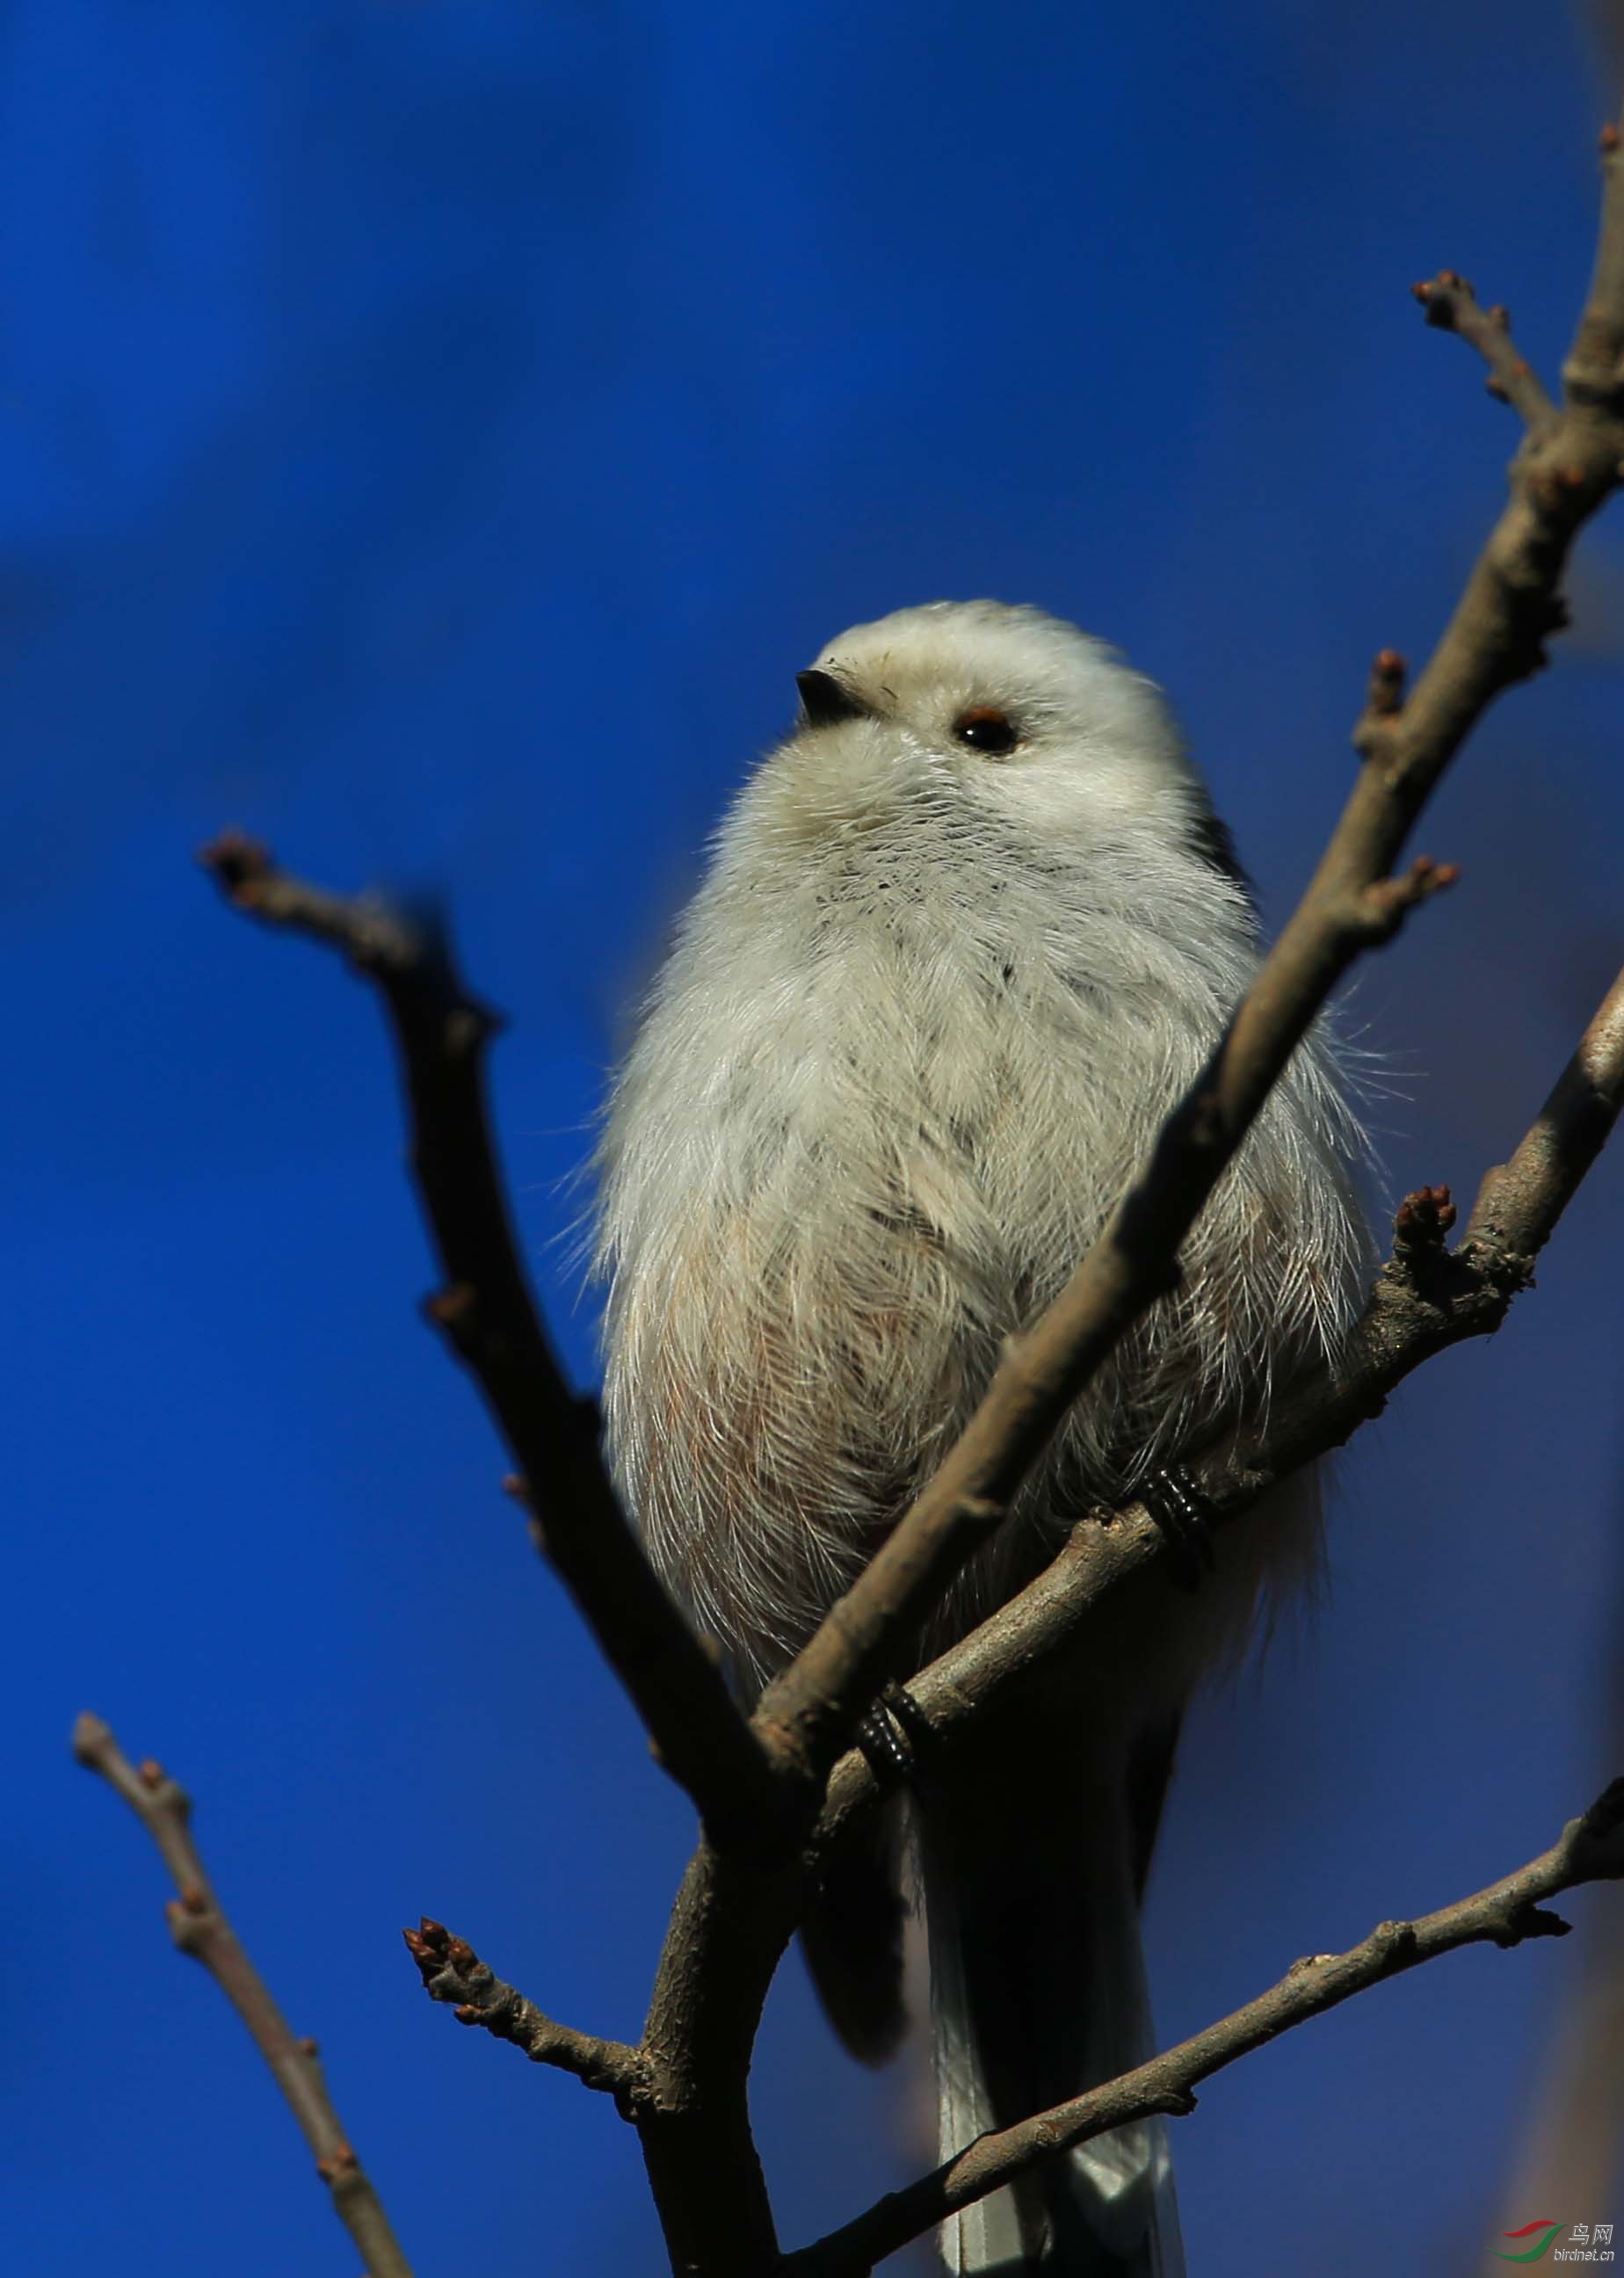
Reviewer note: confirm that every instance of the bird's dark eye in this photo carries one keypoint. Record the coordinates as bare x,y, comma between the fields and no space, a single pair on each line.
986,728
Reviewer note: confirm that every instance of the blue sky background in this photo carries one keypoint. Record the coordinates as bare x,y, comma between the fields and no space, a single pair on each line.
433,436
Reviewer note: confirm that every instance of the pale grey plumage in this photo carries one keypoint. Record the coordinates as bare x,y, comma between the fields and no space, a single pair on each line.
916,1034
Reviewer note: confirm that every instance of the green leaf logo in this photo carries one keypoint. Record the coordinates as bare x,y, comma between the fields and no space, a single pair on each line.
1547,2232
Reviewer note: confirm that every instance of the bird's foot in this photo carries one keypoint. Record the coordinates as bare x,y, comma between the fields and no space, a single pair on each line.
891,1736
1184,1515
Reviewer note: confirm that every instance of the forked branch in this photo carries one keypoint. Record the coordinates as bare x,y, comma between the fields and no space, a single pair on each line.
1426,1298
1569,463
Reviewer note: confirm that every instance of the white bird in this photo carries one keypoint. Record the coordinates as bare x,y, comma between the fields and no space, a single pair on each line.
965,936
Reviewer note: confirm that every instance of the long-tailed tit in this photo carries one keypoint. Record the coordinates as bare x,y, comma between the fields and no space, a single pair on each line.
965,936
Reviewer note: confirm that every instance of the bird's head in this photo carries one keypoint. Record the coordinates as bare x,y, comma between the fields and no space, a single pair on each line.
979,711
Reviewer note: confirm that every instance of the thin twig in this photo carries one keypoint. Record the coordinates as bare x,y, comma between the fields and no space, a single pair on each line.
492,1323
1567,465
1572,2132
1594,372
1519,1203
1589,1850
199,1927
1452,305
452,1971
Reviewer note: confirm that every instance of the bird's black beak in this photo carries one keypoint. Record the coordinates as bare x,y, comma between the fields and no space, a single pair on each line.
825,699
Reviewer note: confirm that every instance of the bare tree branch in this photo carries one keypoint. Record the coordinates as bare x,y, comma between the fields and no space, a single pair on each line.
492,1323
452,1971
1519,1203
1452,305
1594,372
1425,1299
1589,1850
694,2121
1574,2134
742,1893
199,1927
1568,462
733,1920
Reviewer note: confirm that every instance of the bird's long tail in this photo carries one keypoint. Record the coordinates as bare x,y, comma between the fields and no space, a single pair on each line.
1032,1862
